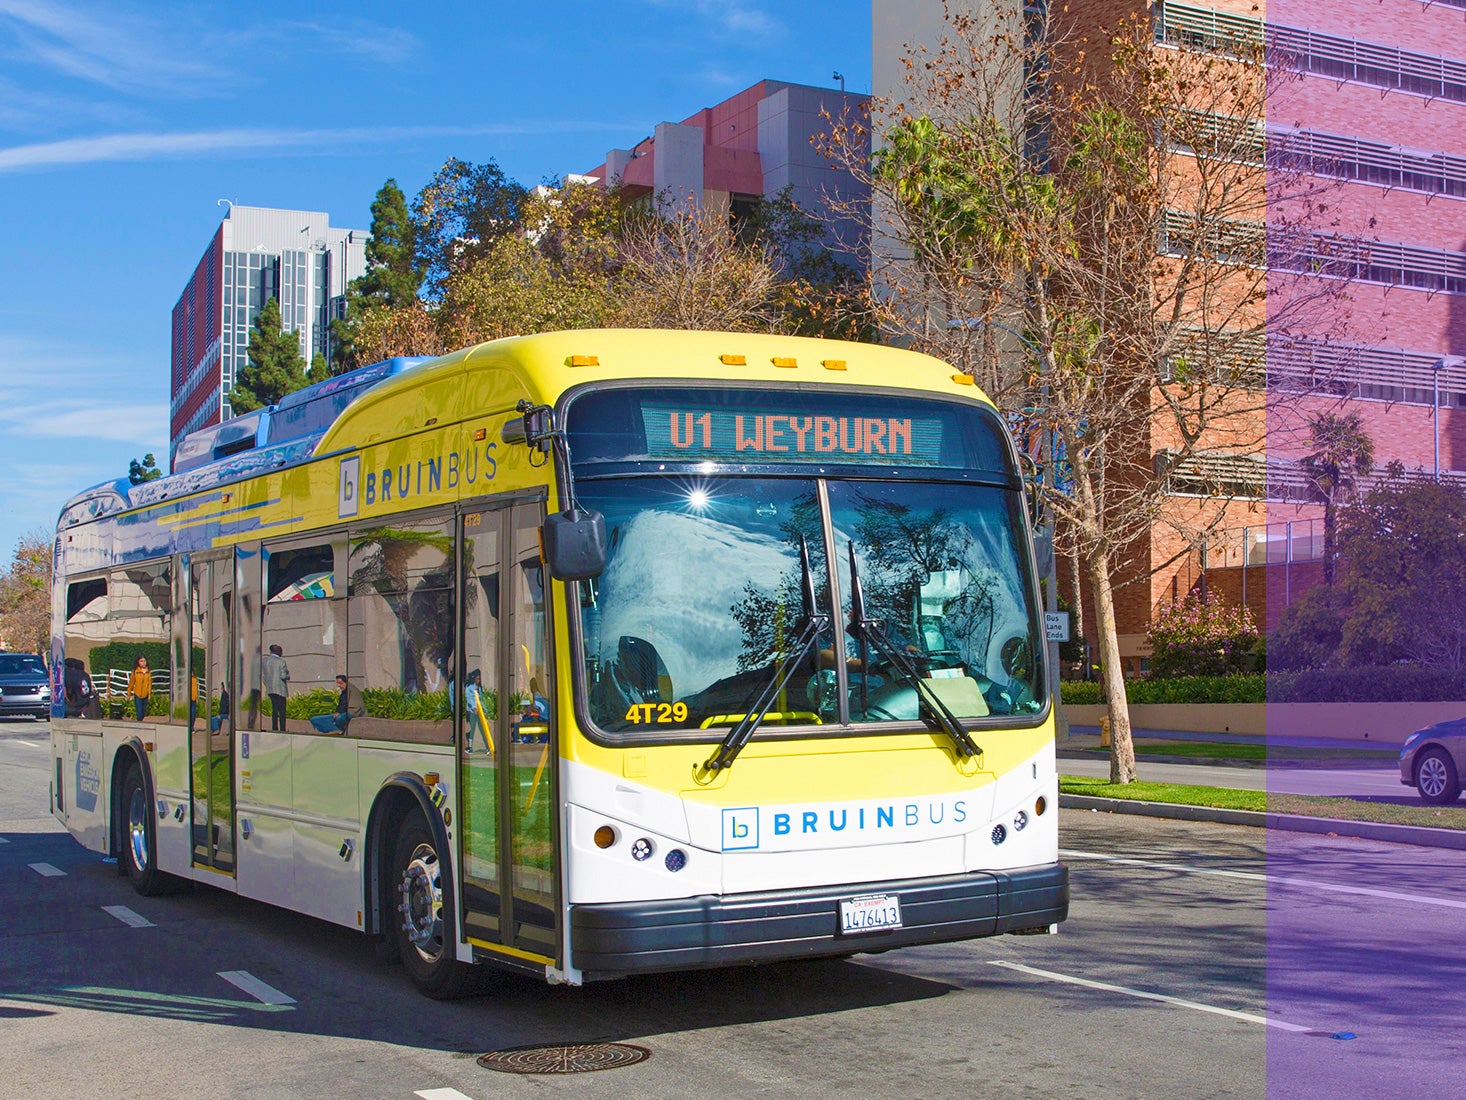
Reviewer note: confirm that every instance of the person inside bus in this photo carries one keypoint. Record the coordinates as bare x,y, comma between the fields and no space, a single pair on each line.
533,724
81,699
276,674
349,705
140,687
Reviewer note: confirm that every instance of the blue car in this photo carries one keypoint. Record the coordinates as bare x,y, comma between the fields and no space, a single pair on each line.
1432,759
25,689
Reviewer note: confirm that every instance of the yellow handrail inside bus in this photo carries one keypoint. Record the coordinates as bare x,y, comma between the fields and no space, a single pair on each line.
773,716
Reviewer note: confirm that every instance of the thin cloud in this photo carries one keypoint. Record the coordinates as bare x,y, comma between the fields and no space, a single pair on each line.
736,16
116,51
160,146
140,425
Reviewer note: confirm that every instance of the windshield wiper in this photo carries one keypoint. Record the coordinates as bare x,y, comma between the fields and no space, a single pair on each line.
814,625
935,713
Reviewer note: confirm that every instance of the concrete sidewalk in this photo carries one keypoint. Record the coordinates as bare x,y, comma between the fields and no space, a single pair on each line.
1088,737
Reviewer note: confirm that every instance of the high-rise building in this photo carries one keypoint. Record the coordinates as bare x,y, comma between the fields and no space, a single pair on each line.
752,146
1370,99
256,254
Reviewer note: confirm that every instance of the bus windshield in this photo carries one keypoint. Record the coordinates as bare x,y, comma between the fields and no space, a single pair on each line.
700,601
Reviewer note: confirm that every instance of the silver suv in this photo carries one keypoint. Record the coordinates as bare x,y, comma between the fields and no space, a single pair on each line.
25,688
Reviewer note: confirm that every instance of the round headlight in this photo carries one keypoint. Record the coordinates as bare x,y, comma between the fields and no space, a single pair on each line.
641,849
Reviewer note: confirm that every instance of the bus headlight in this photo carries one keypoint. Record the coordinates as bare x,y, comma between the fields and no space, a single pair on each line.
641,849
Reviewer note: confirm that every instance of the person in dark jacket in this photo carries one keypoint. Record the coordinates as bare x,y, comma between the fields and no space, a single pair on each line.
81,698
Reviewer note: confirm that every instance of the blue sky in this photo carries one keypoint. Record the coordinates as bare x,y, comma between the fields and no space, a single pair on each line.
122,124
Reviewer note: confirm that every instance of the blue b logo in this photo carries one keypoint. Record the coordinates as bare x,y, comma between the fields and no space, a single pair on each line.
740,829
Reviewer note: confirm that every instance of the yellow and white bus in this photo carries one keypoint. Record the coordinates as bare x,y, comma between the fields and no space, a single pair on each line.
583,654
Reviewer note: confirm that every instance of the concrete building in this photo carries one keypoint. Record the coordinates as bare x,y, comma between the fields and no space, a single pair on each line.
256,254
1375,108
750,146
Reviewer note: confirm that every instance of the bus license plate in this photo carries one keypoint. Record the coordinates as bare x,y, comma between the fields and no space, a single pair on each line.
872,913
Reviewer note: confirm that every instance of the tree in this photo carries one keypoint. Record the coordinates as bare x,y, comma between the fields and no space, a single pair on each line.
1342,452
1104,204
393,276
25,595
458,216
275,368
139,473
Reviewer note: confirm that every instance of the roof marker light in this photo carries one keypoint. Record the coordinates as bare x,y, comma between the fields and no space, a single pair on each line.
963,379
833,364
584,361
732,360
779,361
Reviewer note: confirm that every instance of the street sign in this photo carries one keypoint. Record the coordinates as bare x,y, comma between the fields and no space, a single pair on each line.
1056,626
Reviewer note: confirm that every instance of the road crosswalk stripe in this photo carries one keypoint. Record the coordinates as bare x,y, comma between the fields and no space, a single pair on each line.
265,994
441,1094
128,917
45,870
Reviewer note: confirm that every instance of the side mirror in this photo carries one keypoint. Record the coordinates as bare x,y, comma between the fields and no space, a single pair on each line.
534,428
574,543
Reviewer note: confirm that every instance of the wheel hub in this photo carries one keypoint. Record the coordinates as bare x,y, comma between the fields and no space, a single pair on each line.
137,829
1432,776
422,903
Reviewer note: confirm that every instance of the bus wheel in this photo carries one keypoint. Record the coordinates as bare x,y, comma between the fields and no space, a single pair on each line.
422,925
139,846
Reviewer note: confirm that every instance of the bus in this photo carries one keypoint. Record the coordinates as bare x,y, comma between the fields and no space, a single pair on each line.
582,654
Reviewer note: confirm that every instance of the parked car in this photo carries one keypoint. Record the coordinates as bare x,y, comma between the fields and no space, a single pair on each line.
25,688
1432,760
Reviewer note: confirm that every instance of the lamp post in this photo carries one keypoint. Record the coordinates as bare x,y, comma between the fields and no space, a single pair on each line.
1439,365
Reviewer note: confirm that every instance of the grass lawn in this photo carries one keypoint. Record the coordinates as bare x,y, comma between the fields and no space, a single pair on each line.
1236,750
1223,798
1226,798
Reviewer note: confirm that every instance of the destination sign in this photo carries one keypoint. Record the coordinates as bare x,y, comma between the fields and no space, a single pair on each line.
691,433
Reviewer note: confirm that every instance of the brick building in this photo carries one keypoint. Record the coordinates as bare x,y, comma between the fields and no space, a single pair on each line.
1374,106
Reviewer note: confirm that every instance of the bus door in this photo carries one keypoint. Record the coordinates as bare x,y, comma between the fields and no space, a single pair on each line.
211,709
508,756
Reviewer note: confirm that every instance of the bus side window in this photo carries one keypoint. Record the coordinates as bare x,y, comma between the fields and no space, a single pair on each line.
302,637
400,631
86,630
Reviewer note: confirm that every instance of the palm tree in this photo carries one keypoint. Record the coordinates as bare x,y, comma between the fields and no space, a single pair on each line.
1342,453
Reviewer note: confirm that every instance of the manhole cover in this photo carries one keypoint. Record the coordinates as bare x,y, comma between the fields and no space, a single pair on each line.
569,1058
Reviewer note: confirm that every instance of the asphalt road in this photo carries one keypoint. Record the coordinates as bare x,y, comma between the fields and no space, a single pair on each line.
1189,956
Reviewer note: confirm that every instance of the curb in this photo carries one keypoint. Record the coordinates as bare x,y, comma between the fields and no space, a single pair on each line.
1327,826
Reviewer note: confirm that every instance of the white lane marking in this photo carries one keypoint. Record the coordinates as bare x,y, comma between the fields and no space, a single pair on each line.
27,744
3,840
441,1094
266,994
1069,979
1274,880
128,917
45,870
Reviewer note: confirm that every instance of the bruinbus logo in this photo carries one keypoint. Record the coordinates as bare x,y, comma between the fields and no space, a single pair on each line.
740,829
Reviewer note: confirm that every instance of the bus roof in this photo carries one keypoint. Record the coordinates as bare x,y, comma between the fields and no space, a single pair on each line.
402,395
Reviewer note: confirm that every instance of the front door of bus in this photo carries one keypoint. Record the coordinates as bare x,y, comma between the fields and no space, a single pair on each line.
211,710
508,783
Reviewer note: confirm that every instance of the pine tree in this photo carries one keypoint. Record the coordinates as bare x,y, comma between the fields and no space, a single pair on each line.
276,366
392,275
392,278
147,470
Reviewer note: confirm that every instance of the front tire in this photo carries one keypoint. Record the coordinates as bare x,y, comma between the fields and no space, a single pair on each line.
139,843
421,919
1436,778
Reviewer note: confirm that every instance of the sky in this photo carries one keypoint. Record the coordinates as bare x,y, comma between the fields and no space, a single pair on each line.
123,125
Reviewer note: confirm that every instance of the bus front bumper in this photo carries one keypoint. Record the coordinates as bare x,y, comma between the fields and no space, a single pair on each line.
614,940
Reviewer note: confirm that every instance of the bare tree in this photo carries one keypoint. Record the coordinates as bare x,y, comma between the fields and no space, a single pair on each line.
1085,227
25,595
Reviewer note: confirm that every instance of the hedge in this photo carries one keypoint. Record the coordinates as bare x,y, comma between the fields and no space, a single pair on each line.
1249,688
1386,684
